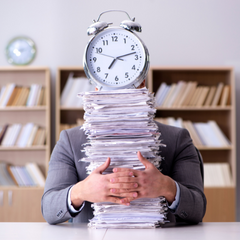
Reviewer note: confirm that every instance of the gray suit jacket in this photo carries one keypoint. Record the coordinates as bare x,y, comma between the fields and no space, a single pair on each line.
181,162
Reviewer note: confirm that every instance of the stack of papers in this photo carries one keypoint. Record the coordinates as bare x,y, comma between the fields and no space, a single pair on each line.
118,124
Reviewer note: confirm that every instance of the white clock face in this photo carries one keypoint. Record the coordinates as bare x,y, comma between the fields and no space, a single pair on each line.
116,58
20,51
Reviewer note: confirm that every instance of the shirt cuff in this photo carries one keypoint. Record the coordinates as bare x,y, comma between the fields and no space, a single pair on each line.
70,206
175,203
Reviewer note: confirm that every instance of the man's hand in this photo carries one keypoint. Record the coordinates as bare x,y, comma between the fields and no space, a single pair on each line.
119,187
151,182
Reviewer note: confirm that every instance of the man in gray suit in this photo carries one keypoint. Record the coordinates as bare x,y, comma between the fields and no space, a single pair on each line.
69,191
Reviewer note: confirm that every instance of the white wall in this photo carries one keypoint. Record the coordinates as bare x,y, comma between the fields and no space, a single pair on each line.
177,33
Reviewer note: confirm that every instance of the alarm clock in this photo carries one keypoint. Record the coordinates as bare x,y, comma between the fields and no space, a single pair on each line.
20,51
115,57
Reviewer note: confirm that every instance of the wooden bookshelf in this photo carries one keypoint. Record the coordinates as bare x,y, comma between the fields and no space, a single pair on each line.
20,204
220,200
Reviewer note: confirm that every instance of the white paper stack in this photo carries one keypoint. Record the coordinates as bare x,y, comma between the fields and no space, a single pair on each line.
118,124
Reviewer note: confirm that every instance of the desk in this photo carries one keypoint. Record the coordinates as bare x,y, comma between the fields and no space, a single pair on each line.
44,231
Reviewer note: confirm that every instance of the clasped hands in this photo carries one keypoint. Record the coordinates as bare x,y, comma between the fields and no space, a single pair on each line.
123,185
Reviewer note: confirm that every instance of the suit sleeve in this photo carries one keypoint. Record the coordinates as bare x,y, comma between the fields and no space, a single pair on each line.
186,170
61,176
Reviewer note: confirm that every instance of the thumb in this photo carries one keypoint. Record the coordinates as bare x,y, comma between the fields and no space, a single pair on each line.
143,160
103,167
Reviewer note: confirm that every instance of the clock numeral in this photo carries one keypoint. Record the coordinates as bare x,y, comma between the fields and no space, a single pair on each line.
133,67
136,57
132,47
105,42
94,59
106,75
116,78
98,69
114,38
126,75
125,40
99,50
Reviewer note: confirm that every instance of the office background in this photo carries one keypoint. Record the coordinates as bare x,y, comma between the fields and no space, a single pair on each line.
177,33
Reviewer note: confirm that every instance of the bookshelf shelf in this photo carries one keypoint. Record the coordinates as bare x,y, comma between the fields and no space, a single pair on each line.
32,148
219,198
25,201
40,108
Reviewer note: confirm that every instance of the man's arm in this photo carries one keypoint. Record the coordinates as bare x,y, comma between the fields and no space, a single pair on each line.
63,174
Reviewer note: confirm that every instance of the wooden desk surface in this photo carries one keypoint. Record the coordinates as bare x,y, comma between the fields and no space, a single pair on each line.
37,231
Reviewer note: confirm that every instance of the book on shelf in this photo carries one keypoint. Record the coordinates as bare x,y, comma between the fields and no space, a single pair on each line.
188,94
202,133
20,135
72,87
217,175
179,92
225,96
5,177
7,94
28,175
185,94
13,95
217,95
203,96
210,96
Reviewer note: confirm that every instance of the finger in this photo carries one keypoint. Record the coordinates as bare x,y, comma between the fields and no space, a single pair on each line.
123,192
122,170
143,160
122,179
103,167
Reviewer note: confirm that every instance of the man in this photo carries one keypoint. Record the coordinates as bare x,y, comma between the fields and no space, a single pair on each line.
69,192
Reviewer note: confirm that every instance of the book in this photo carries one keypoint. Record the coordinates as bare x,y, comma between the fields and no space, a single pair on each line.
203,96
207,135
7,94
7,136
225,96
218,133
179,93
12,96
161,98
32,135
195,97
217,95
36,174
3,131
160,92
169,95
40,98
194,135
17,96
24,135
210,96
5,177
187,95
217,175
66,89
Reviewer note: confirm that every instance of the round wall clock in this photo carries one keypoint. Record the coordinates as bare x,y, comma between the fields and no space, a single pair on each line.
115,57
20,51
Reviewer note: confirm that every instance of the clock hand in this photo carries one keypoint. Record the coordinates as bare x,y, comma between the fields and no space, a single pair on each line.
112,63
125,55
110,56
119,58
